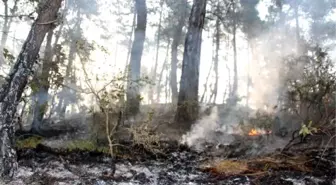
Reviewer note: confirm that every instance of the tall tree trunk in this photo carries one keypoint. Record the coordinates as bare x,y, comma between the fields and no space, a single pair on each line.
206,84
177,35
229,87
126,70
42,94
164,66
248,74
154,72
5,28
167,92
133,94
297,26
4,31
130,43
8,21
69,72
234,94
228,91
187,107
215,90
12,90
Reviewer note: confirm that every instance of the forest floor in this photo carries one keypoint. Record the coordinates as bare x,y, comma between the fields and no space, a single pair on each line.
176,164
244,160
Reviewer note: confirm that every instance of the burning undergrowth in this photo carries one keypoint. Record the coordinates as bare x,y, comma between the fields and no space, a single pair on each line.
216,131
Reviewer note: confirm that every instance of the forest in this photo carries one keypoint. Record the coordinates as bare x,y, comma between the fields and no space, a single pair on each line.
167,92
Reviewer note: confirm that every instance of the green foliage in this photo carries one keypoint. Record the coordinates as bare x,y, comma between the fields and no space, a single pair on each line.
8,56
86,145
261,120
309,86
82,145
30,142
307,129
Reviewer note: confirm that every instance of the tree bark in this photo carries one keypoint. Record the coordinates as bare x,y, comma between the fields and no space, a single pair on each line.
187,107
13,88
177,35
133,94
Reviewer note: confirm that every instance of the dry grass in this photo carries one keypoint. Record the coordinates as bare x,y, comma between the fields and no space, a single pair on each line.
229,167
258,166
30,142
297,163
145,135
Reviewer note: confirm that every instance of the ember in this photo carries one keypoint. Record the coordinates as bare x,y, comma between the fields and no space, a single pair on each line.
253,132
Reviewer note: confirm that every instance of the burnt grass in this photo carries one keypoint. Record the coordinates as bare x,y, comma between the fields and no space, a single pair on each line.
176,164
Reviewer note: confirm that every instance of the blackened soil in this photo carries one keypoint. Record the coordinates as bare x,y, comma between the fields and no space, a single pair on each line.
177,164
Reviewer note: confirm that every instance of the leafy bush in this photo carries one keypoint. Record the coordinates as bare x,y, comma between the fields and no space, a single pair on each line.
307,91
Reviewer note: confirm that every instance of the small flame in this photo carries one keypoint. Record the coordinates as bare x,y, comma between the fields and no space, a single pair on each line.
253,132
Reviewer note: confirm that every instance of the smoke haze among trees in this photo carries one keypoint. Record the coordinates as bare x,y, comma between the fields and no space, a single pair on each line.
125,58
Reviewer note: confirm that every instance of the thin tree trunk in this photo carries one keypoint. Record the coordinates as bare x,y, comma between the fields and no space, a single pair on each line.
133,94
164,66
154,72
130,43
248,75
5,28
234,94
215,90
44,83
177,35
229,84
206,84
21,115
167,92
69,73
8,21
126,70
228,92
4,32
12,90
42,93
297,26
187,109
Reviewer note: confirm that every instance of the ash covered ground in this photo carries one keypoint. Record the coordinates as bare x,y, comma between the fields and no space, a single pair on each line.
201,156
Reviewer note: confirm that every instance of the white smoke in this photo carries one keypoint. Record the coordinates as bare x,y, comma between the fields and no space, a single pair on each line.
210,129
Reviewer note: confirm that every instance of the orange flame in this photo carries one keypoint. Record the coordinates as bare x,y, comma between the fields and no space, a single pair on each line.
253,132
